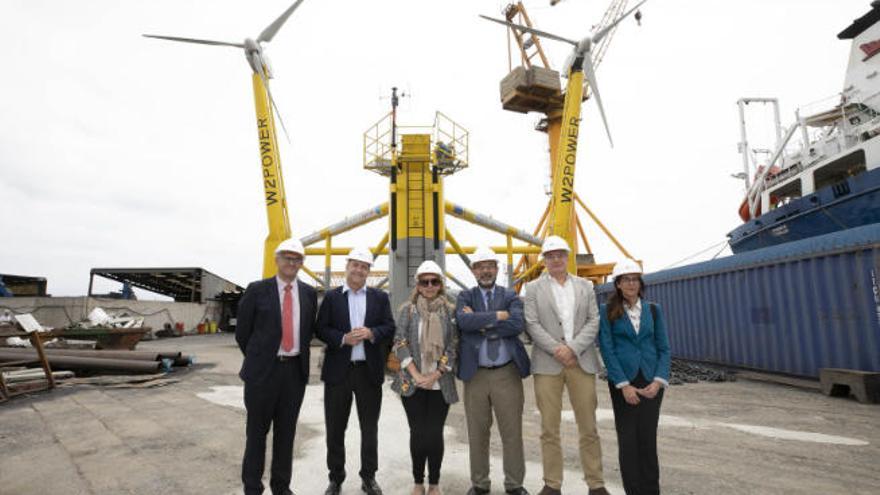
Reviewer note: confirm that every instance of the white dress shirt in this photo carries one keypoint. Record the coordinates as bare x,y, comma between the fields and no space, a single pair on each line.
294,293
357,310
564,297
635,314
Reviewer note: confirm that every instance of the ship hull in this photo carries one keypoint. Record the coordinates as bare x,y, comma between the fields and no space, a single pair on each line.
847,204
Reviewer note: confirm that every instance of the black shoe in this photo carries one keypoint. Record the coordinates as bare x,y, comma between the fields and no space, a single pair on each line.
517,491
370,487
333,488
475,490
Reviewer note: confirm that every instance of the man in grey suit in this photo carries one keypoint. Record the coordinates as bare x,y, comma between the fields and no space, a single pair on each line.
492,363
563,320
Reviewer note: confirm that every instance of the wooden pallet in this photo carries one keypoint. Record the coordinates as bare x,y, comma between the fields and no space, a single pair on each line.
8,391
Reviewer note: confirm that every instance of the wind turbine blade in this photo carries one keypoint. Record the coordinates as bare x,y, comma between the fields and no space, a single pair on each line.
193,40
604,31
274,107
590,73
527,29
273,28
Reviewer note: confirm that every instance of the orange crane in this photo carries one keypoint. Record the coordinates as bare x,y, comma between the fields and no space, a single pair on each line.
533,86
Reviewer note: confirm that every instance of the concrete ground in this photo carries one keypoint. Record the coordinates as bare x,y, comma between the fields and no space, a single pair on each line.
187,438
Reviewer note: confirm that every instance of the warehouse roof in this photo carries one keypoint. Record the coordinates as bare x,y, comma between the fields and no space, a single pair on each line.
182,284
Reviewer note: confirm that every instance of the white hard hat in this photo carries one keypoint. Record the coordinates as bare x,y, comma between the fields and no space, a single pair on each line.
554,243
293,245
483,253
625,266
362,254
429,266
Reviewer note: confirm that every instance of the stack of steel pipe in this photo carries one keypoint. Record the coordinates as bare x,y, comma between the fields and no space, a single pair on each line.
99,360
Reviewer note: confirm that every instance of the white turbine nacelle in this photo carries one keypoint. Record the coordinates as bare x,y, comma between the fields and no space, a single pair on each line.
582,49
584,45
257,58
252,46
253,52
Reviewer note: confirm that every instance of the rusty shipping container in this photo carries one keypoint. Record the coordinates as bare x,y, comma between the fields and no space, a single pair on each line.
789,309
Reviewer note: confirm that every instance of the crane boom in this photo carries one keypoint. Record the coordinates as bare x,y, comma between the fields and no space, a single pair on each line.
562,112
614,10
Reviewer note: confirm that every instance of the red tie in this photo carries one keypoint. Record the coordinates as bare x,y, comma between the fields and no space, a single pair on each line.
287,321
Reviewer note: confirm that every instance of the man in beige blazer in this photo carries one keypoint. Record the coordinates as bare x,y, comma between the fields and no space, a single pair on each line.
563,320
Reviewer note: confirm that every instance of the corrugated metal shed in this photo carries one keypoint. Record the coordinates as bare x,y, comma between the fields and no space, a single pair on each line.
23,286
183,284
792,308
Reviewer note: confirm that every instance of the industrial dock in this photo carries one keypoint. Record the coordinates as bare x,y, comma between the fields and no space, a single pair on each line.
169,171
743,437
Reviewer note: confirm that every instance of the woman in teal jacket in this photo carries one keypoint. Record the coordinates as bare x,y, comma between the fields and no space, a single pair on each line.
634,346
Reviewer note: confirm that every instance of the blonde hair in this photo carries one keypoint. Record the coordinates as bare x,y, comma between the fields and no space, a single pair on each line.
441,293
415,292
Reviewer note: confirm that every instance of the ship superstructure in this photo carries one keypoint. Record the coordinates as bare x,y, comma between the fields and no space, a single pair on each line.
824,174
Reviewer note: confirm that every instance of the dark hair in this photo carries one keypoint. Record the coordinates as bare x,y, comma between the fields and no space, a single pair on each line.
615,301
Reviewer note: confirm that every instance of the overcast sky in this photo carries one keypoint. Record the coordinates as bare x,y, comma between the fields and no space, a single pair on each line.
122,151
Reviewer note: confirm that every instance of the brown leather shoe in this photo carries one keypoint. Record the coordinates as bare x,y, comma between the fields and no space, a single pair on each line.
549,491
599,491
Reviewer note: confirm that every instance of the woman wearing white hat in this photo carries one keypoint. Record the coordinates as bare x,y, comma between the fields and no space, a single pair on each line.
426,342
635,348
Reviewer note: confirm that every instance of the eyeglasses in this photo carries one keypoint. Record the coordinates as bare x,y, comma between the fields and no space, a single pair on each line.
291,260
629,280
424,282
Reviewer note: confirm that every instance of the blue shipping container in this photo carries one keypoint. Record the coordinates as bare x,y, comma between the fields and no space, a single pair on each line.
792,308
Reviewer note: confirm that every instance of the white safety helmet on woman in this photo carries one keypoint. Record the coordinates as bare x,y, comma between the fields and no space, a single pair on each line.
625,267
428,266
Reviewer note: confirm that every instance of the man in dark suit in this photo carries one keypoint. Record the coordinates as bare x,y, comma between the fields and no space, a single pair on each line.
355,322
275,324
492,362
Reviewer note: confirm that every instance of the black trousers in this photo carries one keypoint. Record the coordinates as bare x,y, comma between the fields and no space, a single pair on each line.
275,403
359,386
426,412
637,439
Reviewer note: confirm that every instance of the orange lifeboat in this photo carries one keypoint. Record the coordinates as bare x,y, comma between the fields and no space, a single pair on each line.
744,206
744,210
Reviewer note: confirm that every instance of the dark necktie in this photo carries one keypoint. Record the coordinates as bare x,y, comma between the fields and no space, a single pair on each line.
493,344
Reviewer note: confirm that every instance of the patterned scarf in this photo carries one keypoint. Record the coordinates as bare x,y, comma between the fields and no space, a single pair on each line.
432,338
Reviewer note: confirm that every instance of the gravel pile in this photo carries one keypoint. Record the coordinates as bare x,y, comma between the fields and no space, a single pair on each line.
689,372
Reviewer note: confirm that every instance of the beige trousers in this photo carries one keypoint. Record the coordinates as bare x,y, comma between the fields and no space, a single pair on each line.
581,388
500,391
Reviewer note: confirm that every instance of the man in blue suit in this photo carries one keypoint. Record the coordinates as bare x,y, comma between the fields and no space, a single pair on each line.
492,362
356,323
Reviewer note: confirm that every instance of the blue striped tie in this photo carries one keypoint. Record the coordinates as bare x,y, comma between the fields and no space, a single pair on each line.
493,344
